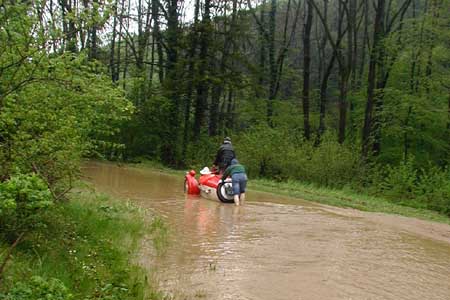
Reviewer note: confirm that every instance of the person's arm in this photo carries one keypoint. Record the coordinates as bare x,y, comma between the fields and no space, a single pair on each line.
226,173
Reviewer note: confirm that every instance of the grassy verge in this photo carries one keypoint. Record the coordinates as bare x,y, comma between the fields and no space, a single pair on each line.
86,249
344,198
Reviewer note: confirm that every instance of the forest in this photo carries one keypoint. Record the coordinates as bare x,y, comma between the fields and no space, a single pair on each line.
347,95
350,94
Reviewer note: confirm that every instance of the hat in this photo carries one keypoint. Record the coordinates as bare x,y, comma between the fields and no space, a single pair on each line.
234,161
227,140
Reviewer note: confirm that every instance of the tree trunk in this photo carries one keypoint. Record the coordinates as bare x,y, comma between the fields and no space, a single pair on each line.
172,87
272,62
369,118
202,86
112,67
93,48
158,39
323,94
306,69
262,52
126,58
190,80
364,44
448,110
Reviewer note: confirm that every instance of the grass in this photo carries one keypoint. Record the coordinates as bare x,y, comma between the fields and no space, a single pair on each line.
88,244
344,198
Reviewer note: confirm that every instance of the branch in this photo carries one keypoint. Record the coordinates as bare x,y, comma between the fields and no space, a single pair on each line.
261,27
8,254
401,12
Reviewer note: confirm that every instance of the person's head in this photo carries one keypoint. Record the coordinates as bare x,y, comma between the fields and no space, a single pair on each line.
227,140
234,161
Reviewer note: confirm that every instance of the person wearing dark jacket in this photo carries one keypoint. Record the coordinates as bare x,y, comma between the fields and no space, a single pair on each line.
238,179
224,155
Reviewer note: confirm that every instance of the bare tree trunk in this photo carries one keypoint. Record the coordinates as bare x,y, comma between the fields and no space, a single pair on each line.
158,39
369,120
448,110
126,58
230,110
203,86
190,80
93,48
218,88
364,44
53,25
69,29
112,67
323,94
307,69
172,89
272,62
262,52
119,42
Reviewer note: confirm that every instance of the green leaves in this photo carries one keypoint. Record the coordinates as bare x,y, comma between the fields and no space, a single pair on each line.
38,288
22,199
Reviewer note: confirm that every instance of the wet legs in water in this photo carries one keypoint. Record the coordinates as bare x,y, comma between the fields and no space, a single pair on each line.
239,199
236,200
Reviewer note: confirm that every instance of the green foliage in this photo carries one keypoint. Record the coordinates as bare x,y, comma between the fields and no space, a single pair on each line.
38,288
407,185
88,244
23,199
398,181
146,133
54,109
274,153
433,189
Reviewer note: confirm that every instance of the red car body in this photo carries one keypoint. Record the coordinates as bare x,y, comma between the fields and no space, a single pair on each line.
209,185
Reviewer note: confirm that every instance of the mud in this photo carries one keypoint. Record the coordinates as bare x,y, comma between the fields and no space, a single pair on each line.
276,247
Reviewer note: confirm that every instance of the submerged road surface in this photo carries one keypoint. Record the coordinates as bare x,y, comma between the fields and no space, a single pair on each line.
277,248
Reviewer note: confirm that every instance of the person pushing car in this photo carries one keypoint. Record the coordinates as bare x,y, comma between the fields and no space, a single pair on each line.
238,180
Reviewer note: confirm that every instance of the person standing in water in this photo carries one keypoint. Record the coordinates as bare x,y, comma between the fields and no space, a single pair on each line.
238,179
224,155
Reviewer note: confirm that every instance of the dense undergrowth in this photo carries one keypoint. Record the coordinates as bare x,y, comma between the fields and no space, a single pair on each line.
413,182
83,249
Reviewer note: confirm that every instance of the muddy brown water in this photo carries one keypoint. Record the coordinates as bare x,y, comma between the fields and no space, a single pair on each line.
276,247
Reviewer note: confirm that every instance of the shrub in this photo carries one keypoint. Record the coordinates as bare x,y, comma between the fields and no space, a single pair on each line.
332,164
22,198
398,182
38,288
433,189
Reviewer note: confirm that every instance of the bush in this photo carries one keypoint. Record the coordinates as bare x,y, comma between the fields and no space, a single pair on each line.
22,199
332,164
398,182
433,189
274,153
38,288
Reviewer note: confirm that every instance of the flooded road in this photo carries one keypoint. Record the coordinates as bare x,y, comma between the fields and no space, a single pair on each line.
277,248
